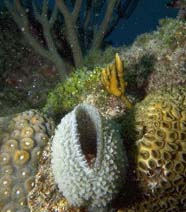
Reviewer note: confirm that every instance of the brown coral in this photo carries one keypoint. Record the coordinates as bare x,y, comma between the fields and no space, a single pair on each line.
19,143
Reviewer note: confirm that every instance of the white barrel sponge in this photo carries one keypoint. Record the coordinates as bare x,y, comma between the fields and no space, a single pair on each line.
88,158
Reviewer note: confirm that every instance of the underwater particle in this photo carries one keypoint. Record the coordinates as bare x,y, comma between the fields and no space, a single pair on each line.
21,123
7,169
160,153
24,173
23,202
6,181
18,191
88,159
5,193
17,169
42,138
36,154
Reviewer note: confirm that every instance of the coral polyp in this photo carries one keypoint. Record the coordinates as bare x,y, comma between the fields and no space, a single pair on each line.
18,161
27,143
21,157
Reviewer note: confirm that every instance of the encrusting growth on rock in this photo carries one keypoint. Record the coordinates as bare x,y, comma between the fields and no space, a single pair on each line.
113,80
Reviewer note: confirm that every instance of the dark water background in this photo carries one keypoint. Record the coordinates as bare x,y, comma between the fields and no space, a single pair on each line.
144,19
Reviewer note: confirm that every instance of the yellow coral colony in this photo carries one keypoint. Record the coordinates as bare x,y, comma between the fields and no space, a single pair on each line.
160,125
113,80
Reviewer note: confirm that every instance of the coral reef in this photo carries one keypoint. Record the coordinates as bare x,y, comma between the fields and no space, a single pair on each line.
88,160
157,60
154,130
154,61
154,135
159,134
22,139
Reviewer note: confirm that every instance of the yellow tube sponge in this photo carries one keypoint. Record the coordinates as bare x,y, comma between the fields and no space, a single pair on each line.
112,78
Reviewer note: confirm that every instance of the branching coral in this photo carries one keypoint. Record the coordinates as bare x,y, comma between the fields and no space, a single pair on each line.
81,25
154,61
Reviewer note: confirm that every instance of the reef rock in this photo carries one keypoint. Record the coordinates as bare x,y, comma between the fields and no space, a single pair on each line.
45,196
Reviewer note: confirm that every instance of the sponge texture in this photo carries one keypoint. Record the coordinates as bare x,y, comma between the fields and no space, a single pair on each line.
88,159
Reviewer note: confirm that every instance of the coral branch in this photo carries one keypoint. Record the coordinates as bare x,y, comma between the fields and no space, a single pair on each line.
99,35
76,10
20,17
53,15
71,31
77,30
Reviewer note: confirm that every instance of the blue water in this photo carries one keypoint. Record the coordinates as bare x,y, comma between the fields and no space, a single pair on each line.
144,19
